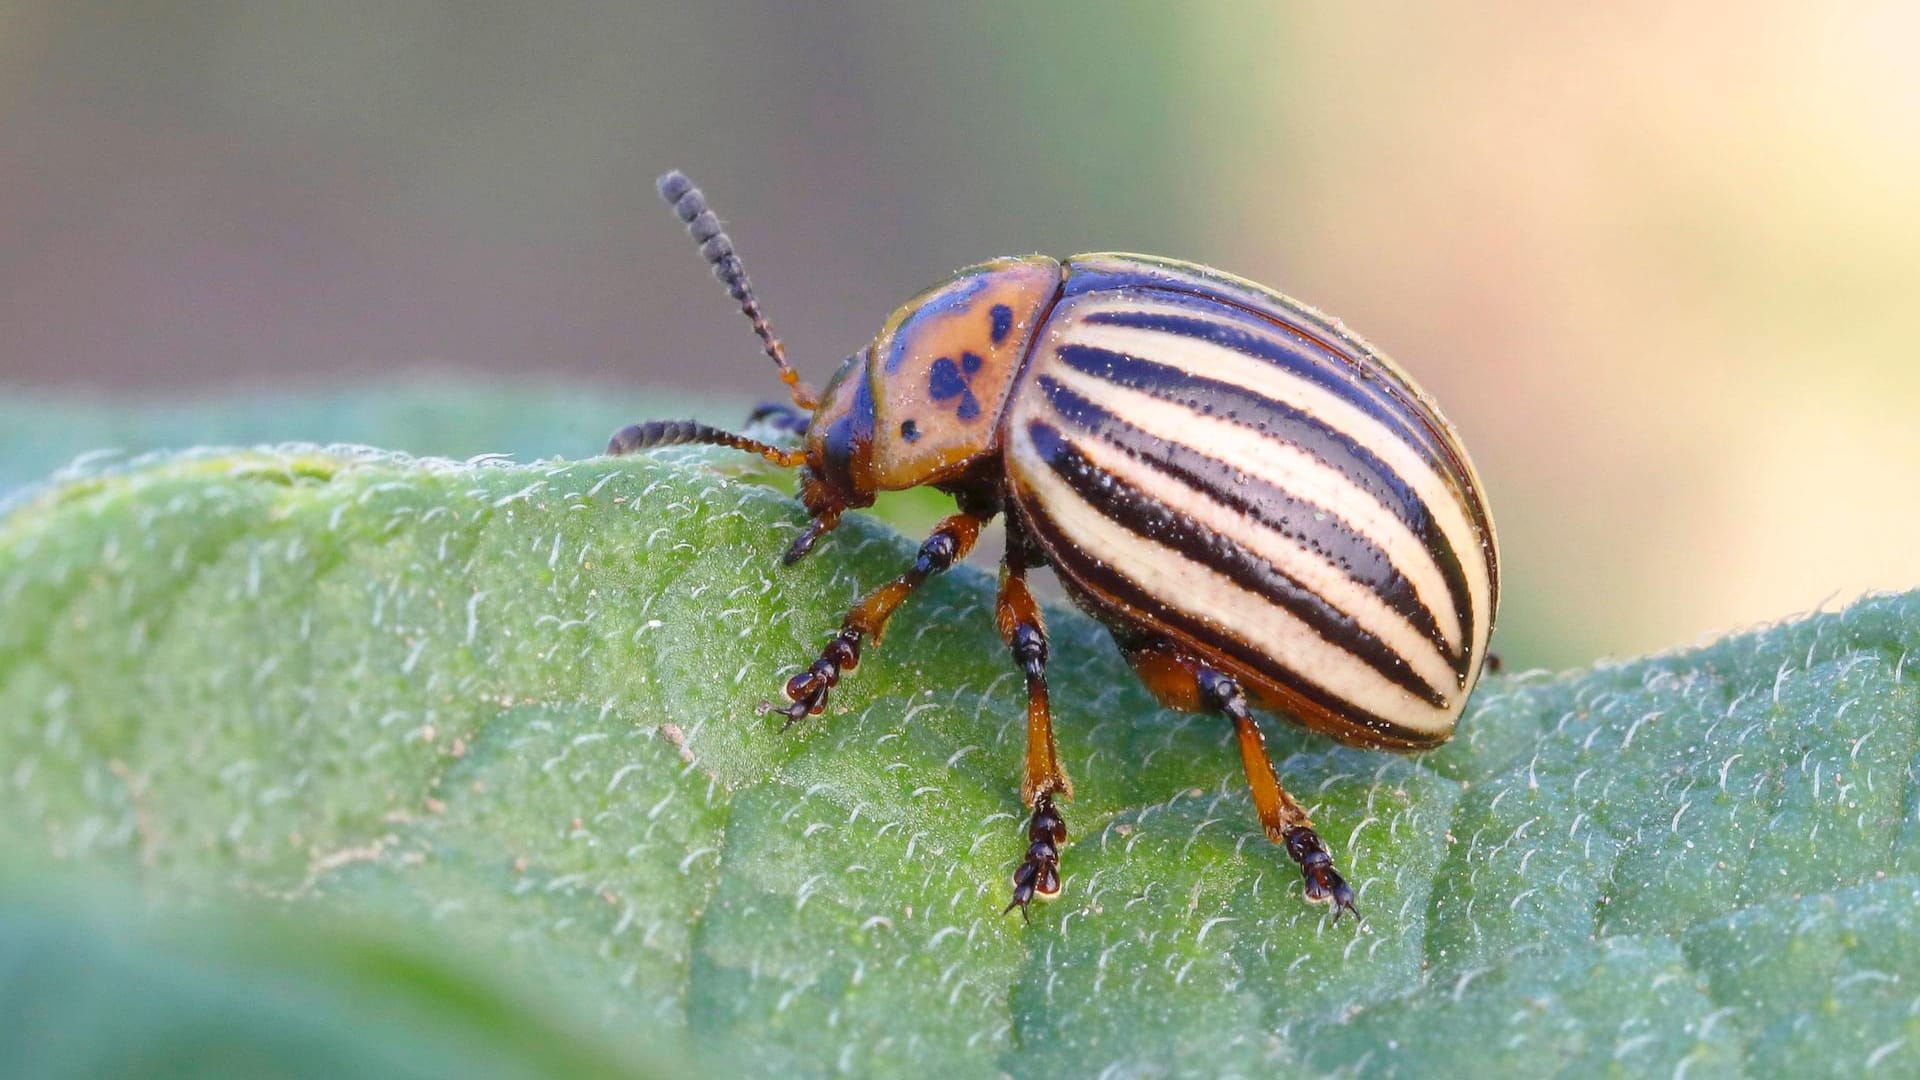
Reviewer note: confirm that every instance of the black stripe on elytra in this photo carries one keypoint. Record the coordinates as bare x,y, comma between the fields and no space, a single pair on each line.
1311,435
1085,577
1352,552
1139,513
1330,371
1089,581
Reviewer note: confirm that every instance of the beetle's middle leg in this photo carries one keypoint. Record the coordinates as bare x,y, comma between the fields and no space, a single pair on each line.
1026,636
1184,683
807,691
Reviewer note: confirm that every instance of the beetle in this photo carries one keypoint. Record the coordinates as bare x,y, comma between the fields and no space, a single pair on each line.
1261,508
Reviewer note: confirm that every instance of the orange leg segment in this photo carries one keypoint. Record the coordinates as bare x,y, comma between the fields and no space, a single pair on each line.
1026,636
1184,683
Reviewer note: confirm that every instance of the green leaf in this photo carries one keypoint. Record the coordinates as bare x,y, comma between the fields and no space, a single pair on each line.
40,432
97,993
514,704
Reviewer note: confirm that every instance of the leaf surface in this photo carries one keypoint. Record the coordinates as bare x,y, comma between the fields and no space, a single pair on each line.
515,704
101,990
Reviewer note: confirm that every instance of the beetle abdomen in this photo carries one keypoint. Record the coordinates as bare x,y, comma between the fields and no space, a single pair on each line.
1261,491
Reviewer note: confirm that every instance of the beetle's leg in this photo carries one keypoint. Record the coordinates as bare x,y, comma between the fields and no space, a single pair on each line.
1284,820
823,523
780,417
948,544
1187,684
826,504
1039,875
1026,635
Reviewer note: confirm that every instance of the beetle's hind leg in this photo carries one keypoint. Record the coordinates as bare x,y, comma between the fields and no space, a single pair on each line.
1187,684
1284,820
807,692
1026,636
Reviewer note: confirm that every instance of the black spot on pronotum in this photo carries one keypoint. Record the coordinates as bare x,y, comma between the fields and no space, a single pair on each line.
945,382
909,430
1002,316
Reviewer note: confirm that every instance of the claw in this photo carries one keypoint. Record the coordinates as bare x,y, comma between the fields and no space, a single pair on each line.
803,541
808,690
1323,883
1326,886
795,712
1022,892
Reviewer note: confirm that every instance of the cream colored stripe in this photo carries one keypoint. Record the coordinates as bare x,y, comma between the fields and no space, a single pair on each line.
1208,360
1216,600
1316,572
1287,467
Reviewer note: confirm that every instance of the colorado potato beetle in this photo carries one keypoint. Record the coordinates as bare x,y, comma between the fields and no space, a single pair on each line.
1261,508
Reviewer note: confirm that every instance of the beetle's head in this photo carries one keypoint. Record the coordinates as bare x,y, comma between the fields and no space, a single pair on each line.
839,447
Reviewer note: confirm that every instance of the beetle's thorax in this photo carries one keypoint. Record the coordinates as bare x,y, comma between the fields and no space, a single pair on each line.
922,403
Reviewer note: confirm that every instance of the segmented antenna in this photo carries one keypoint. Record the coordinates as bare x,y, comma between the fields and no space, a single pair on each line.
686,200
681,432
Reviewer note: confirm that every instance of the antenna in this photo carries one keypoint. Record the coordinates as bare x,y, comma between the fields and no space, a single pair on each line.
681,432
686,200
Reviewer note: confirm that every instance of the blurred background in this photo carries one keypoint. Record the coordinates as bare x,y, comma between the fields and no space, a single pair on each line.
1658,262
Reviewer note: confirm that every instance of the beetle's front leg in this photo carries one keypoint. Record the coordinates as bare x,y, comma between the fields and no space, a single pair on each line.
807,691
1026,636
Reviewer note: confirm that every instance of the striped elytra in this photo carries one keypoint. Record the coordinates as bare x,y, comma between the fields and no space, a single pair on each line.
1216,461
1262,509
